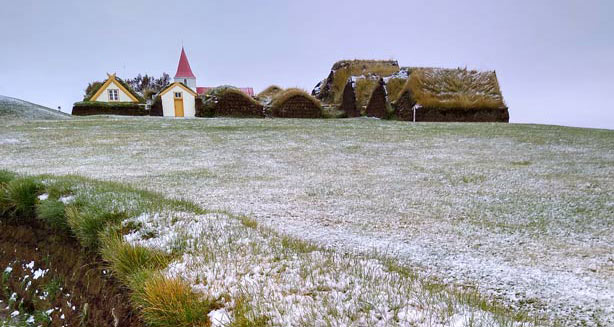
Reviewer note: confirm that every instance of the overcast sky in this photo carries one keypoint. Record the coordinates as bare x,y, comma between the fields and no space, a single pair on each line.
554,59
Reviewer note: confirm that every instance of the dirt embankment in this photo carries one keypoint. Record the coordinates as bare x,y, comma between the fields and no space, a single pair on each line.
46,270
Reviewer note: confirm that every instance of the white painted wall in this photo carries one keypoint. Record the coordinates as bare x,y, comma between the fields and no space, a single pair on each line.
104,96
168,103
189,82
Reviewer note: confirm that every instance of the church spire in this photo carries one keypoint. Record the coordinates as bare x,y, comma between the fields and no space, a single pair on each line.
184,72
183,69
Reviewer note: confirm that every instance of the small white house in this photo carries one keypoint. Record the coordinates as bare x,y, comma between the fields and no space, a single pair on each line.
113,91
178,100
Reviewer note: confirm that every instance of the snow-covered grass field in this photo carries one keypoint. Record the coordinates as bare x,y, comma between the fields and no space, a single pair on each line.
413,223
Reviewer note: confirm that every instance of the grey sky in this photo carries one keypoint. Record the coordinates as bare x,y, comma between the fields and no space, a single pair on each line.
554,59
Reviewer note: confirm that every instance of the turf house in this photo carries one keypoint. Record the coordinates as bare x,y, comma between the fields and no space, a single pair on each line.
112,97
383,89
370,88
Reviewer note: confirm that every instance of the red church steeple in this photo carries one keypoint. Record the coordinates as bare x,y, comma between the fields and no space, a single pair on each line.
183,69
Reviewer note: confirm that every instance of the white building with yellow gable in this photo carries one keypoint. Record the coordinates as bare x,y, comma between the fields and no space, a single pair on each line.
112,90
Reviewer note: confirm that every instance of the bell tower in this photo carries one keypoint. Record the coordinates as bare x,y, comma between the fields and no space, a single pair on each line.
184,72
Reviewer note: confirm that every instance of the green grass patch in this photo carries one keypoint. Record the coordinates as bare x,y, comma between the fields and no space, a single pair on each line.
88,222
6,176
52,212
243,315
248,222
298,245
125,259
18,197
521,163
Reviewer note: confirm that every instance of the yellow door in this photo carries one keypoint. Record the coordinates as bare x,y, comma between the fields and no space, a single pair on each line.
178,107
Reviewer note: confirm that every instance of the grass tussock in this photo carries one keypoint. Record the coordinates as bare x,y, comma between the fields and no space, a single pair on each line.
126,259
18,197
269,92
288,94
89,221
6,176
52,212
168,301
455,88
58,189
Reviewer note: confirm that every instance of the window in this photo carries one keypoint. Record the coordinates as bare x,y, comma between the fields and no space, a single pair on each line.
185,81
113,95
177,95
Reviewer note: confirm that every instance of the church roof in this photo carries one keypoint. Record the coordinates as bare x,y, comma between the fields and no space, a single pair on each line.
183,69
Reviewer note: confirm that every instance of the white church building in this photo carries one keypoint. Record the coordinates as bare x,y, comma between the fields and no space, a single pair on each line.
179,98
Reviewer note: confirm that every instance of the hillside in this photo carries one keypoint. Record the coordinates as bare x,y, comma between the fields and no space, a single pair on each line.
320,217
12,108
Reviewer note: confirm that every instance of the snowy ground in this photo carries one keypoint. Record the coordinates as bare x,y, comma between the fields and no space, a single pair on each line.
523,213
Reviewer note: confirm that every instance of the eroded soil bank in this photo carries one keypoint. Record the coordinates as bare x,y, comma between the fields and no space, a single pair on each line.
46,276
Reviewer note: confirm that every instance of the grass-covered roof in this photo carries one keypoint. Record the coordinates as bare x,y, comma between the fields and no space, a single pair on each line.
281,97
454,88
270,91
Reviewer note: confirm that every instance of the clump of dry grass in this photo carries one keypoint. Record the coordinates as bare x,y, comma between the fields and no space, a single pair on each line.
168,301
269,92
126,259
286,95
455,88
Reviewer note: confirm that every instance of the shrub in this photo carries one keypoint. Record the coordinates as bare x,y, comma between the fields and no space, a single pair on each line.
52,212
86,108
87,222
168,301
126,259
18,197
